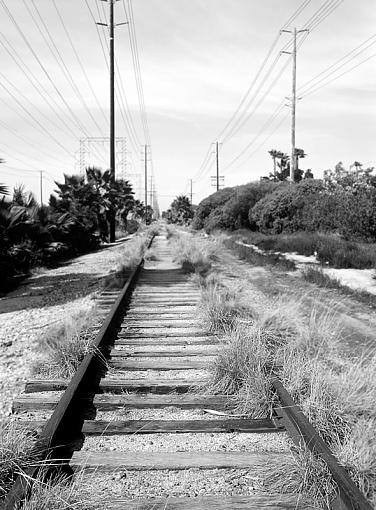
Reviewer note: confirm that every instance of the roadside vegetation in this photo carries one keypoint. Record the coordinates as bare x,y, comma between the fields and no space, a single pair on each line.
76,220
332,218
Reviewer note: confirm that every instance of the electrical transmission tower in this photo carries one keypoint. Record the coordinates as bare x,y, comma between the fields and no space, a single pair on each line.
95,149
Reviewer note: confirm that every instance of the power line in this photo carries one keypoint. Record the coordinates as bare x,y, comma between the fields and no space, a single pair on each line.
340,75
80,62
47,74
55,52
34,119
35,82
336,66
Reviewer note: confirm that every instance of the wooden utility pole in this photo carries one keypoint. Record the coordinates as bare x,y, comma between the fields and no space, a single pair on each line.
293,109
111,27
217,158
293,168
191,192
112,110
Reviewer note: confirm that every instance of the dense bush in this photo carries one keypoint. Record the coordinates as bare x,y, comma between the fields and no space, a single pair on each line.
229,208
209,204
288,208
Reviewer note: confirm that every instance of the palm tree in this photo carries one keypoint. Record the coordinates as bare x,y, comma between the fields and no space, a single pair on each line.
3,190
276,155
299,154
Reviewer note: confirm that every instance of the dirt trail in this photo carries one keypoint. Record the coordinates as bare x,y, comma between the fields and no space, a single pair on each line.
358,320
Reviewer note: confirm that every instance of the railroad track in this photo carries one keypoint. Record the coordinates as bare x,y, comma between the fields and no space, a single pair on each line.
157,353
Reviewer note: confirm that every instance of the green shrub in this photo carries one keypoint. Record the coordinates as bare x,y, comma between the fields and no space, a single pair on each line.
209,204
284,210
228,209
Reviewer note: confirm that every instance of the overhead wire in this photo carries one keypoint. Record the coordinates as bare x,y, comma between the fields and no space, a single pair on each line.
56,54
336,66
36,83
41,65
78,58
241,114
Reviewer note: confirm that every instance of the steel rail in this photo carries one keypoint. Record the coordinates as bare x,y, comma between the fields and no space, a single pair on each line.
62,434
302,432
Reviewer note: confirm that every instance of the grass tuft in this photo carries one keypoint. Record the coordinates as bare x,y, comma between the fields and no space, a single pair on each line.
302,474
220,307
15,453
239,370
195,255
63,346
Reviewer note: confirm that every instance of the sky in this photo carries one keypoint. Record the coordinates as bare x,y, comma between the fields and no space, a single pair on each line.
197,58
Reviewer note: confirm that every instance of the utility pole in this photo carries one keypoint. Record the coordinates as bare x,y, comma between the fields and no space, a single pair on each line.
112,112
41,187
146,176
111,27
217,158
191,192
293,109
294,33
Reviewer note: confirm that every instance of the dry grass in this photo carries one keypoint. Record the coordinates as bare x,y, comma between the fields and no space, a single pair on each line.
220,307
337,394
302,474
15,450
59,494
130,256
63,346
239,370
194,255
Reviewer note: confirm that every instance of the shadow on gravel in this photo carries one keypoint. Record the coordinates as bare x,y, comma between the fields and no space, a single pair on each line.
42,291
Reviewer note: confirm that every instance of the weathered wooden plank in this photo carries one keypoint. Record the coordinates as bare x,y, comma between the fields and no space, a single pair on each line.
162,307
170,341
109,402
115,460
159,324
118,353
100,427
252,502
176,364
155,401
167,334
124,427
119,386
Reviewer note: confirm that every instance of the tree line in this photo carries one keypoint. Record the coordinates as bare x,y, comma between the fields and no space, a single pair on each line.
76,220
